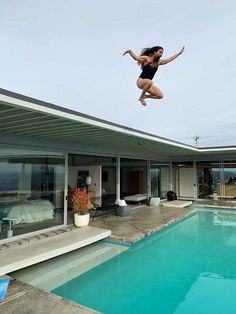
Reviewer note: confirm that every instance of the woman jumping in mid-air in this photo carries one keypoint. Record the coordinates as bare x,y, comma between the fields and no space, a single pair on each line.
149,60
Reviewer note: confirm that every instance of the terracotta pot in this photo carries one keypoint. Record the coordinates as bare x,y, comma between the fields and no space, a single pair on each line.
81,220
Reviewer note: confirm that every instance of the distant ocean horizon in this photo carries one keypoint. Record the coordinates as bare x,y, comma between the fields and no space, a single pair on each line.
9,181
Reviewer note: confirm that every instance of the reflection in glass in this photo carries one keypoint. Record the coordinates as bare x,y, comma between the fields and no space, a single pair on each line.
160,180
230,179
31,192
209,176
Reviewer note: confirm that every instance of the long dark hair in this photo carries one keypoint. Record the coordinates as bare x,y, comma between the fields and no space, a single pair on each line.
150,51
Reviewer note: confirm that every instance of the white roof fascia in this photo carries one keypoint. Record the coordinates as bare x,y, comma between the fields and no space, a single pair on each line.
77,117
71,116
217,149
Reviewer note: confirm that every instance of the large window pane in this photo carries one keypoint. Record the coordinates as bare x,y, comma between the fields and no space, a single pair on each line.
160,180
230,179
155,182
31,191
209,178
101,170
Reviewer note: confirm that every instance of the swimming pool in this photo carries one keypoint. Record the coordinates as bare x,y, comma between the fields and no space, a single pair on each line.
187,268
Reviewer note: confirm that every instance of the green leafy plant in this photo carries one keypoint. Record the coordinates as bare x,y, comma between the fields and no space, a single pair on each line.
80,201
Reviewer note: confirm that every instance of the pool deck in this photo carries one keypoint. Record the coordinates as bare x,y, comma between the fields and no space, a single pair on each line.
143,221
22,298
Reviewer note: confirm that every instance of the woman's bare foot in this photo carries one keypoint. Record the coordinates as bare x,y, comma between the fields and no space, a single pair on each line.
143,102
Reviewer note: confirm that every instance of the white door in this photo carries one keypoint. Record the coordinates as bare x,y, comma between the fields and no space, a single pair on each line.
187,182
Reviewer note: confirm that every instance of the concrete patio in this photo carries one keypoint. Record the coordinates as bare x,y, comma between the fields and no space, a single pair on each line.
143,221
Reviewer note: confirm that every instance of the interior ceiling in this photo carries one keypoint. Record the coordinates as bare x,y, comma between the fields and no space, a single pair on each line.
19,120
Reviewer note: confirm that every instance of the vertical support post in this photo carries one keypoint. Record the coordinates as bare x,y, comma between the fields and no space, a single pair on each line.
222,180
149,191
117,178
66,189
195,185
171,176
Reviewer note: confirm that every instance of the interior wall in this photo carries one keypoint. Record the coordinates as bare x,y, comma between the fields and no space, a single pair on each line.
126,173
94,172
110,185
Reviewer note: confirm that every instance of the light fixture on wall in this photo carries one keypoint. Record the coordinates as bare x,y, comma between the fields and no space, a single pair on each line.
89,180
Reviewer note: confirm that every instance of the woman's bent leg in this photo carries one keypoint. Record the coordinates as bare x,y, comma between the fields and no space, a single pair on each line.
154,93
145,85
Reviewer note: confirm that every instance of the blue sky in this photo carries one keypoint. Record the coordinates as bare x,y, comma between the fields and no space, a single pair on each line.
70,53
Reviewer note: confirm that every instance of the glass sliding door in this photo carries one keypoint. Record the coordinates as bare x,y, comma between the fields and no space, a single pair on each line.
229,179
213,177
209,179
155,181
204,181
31,191
164,180
160,180
102,172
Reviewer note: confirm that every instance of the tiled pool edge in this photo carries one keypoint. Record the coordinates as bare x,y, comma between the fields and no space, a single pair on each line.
199,206
117,242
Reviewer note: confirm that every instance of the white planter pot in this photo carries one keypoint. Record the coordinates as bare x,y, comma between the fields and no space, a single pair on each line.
81,220
155,201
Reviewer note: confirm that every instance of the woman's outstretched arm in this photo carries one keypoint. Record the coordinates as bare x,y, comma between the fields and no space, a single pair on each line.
165,61
134,56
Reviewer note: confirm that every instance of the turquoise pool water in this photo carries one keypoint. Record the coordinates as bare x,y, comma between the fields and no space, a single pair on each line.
188,268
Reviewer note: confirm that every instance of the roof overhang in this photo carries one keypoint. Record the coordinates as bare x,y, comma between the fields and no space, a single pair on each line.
24,116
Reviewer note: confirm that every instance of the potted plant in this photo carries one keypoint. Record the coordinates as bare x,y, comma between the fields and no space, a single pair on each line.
81,207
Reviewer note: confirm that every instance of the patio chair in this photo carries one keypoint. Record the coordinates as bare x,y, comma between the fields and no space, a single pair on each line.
100,210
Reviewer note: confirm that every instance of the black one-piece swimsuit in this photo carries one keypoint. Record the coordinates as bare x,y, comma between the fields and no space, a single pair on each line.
148,72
